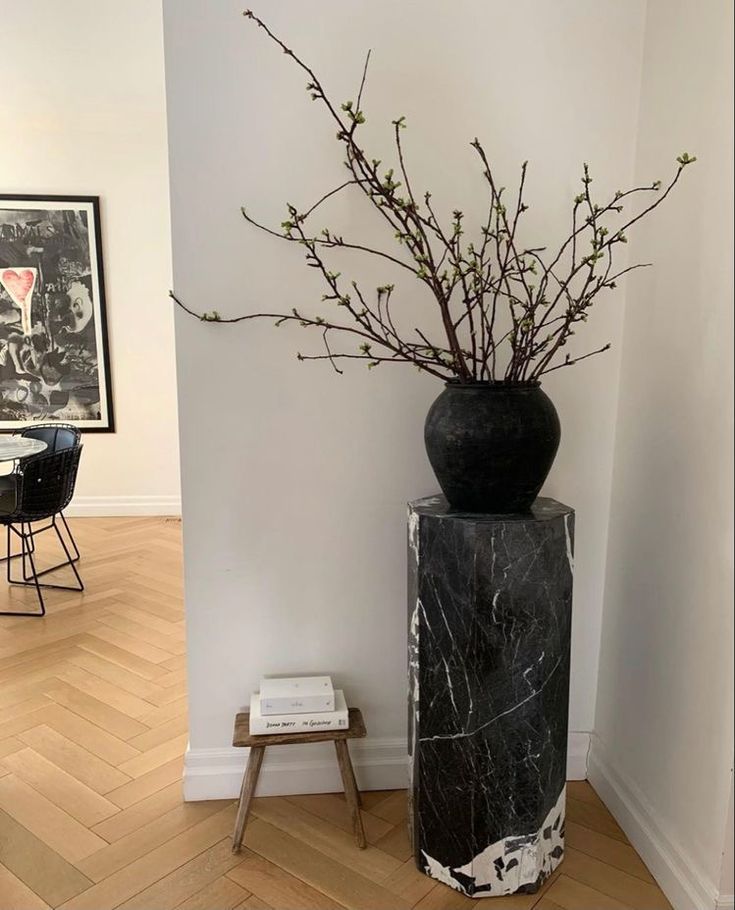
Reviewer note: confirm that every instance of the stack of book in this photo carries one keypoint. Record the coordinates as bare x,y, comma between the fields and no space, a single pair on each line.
300,704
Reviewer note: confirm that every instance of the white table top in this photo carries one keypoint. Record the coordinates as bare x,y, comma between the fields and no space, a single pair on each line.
13,447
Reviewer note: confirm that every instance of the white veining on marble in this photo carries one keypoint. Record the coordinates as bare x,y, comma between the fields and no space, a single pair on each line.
463,735
413,532
413,656
570,548
510,863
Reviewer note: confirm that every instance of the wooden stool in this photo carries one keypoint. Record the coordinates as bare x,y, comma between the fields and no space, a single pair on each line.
258,744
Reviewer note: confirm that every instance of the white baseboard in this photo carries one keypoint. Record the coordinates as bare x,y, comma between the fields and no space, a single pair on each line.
725,902
678,875
380,764
105,506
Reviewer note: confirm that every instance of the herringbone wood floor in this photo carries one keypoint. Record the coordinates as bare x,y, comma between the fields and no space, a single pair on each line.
92,732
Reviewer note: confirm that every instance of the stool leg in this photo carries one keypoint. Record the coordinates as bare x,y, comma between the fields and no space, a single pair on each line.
249,783
352,794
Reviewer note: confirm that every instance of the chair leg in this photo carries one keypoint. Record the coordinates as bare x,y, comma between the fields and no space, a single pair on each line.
27,550
69,561
352,794
8,555
31,578
249,783
9,552
71,537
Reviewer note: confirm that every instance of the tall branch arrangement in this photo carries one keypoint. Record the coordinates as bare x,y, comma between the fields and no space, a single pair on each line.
507,310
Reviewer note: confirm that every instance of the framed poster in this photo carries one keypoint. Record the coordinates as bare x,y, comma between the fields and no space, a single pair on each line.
54,351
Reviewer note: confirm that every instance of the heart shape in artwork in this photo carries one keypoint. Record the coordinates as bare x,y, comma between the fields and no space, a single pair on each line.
18,284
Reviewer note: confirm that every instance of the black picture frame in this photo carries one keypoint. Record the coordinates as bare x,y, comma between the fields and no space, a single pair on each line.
55,350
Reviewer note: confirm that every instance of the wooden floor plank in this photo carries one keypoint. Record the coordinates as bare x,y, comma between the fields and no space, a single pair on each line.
156,756
165,713
144,812
333,809
89,736
339,845
221,894
175,663
17,652
143,598
122,657
338,882
160,734
570,894
108,692
607,849
254,903
32,861
277,888
173,643
138,875
137,843
595,817
96,711
179,885
87,768
16,895
9,745
22,703
582,790
135,646
396,843
62,789
174,678
150,620
546,904
113,673
393,809
410,884
147,784
443,898
55,827
616,884
168,695
25,722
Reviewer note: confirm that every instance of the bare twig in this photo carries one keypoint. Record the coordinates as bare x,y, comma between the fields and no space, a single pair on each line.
569,361
545,297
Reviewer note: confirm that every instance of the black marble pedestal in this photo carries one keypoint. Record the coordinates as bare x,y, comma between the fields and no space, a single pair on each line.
490,601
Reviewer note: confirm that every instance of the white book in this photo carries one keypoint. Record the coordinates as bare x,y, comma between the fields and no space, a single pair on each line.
299,723
296,695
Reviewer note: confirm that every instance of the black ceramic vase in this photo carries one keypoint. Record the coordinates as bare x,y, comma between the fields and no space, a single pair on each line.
491,444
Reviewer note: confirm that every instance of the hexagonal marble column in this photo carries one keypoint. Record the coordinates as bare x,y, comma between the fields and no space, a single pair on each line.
490,599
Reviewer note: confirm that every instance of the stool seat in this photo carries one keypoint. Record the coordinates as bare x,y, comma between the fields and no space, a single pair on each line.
257,744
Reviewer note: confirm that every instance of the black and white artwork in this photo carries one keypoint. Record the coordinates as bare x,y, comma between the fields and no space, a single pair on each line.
54,352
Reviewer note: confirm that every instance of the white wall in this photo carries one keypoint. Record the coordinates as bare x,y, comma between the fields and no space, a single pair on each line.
84,113
663,755
294,479
727,875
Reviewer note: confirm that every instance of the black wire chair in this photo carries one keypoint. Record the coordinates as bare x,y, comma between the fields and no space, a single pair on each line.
43,487
57,436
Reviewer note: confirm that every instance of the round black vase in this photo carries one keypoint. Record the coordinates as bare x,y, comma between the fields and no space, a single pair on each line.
491,444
